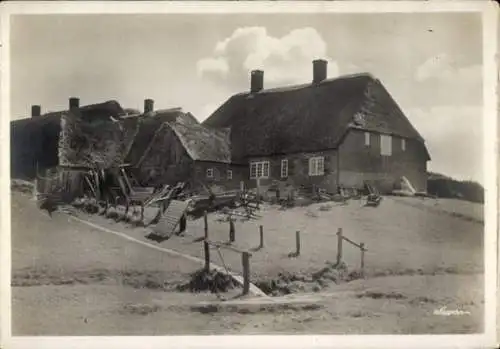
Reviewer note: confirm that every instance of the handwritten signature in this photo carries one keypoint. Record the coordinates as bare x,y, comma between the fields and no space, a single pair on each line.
455,312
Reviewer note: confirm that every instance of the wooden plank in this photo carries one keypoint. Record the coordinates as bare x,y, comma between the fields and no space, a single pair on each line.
170,219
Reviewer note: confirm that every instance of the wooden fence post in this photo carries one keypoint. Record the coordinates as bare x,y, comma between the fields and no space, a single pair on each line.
297,242
206,247
205,219
339,246
245,260
362,246
261,231
231,230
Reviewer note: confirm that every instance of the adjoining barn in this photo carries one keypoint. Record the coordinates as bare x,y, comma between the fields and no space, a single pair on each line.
189,152
34,142
151,122
331,132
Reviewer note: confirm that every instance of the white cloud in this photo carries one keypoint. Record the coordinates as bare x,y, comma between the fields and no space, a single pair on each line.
287,59
454,137
443,67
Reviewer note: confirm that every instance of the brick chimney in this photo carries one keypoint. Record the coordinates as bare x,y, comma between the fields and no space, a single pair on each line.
36,110
148,105
74,103
256,81
319,70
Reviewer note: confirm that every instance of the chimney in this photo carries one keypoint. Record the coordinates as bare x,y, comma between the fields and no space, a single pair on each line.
256,81
74,103
319,70
36,110
148,105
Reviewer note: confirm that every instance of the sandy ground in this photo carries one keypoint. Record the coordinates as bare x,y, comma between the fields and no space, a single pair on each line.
72,280
400,238
388,305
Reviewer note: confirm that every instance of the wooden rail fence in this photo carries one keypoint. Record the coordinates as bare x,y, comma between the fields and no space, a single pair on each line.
360,246
245,255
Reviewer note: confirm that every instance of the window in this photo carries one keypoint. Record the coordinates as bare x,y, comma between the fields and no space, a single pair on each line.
259,169
316,166
403,144
210,173
229,174
385,145
284,168
367,139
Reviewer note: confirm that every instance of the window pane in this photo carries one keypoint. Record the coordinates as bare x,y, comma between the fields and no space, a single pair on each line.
253,170
259,169
321,166
284,168
266,169
385,145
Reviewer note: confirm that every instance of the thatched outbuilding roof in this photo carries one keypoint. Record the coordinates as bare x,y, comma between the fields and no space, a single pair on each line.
149,124
309,117
95,136
35,141
203,143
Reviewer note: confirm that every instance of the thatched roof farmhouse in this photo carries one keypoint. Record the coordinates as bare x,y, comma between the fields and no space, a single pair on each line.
329,132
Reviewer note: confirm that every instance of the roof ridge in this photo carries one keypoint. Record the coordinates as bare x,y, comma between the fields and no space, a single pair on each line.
294,87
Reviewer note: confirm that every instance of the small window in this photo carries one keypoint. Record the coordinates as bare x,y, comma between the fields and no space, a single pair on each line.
259,169
229,174
317,166
210,173
385,145
403,144
284,168
367,139
253,170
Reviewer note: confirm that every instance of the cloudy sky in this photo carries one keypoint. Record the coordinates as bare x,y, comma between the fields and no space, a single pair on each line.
430,63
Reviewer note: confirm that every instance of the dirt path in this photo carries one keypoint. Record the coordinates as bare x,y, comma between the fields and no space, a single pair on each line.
391,305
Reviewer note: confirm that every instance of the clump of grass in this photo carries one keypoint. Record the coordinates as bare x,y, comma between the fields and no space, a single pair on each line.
423,300
325,207
311,214
141,309
213,281
381,295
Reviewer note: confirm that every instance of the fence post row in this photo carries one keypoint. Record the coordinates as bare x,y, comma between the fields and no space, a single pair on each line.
205,220
245,261
339,246
232,231
297,242
206,248
261,231
362,247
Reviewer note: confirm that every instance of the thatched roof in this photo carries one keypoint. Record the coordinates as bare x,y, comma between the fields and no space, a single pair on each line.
309,117
149,124
203,143
94,136
35,140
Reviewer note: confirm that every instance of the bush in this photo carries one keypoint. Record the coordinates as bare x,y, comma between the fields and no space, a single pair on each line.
446,187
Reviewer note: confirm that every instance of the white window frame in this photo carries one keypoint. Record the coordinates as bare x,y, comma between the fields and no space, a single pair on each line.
403,144
229,174
317,166
210,173
367,139
385,145
262,169
284,168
